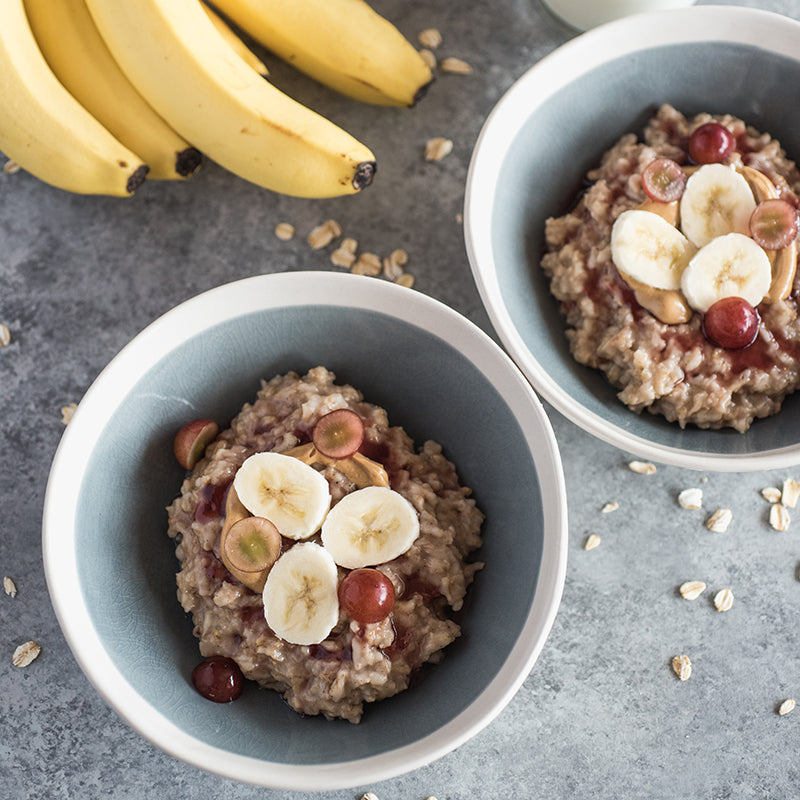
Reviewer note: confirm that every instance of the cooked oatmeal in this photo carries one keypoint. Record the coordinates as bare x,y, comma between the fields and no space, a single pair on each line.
355,663
669,369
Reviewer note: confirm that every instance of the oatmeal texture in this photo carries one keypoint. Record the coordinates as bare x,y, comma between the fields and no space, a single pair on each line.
671,370
356,663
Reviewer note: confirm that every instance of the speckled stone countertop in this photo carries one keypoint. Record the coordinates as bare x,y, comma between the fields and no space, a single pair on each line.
602,714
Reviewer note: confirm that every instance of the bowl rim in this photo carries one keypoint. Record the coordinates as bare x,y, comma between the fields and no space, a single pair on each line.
735,24
193,316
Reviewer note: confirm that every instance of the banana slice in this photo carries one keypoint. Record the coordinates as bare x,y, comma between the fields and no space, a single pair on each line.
729,266
293,496
370,526
717,200
301,602
645,247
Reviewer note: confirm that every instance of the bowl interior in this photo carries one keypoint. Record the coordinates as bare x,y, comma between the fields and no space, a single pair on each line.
127,564
542,173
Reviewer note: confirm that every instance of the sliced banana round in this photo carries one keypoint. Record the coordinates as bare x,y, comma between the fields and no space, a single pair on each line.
645,247
370,526
293,496
301,602
717,200
729,266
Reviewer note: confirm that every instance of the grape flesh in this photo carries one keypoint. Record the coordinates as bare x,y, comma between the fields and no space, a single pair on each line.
773,224
731,323
663,180
711,143
339,433
366,595
218,678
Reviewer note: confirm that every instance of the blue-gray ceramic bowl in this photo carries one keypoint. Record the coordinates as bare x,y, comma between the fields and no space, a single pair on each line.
111,567
550,128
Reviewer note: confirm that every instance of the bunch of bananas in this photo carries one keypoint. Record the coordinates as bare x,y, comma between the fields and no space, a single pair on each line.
96,95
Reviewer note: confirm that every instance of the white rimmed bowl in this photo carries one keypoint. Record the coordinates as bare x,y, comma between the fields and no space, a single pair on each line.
110,565
550,128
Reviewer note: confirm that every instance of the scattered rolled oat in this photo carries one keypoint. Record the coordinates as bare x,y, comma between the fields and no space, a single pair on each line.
786,707
349,244
691,590
718,522
10,167
771,494
5,336
430,37
682,667
369,796
609,507
790,493
284,231
25,653
324,234
691,498
367,264
393,265
642,467
342,258
455,65
460,218
779,517
437,148
723,600
67,412
429,58
406,280
10,587
592,541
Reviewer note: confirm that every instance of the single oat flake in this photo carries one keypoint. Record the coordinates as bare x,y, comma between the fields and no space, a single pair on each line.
642,467
9,586
592,541
682,667
779,517
691,590
771,494
369,796
790,493
456,66
786,707
609,507
284,231
343,258
405,280
67,412
437,148
25,654
691,498
5,336
10,167
367,264
718,522
430,37
324,234
723,600
428,57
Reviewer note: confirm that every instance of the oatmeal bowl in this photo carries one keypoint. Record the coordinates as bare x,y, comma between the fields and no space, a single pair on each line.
307,530
631,224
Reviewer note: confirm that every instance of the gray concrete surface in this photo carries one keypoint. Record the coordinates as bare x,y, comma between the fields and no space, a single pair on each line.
601,715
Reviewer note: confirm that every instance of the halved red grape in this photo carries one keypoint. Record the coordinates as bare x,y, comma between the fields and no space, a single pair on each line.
663,180
192,439
252,544
773,224
731,323
711,143
218,678
366,595
339,433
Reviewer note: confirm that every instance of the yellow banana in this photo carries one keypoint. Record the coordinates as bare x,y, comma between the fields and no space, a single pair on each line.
344,44
232,38
45,130
173,54
77,54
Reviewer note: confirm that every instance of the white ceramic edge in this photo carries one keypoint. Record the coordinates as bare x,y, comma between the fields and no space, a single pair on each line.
119,377
765,29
